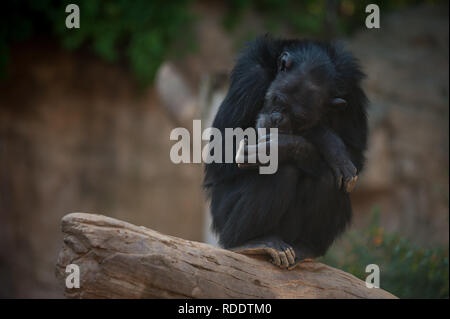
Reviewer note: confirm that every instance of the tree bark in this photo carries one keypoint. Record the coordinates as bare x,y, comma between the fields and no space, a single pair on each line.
120,260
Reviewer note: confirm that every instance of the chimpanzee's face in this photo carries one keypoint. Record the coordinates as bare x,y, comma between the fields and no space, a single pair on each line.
301,90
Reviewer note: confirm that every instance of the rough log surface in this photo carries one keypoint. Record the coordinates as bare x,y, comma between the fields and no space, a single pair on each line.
121,260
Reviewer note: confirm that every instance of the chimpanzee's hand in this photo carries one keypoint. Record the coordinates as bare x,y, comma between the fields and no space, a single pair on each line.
286,144
334,151
344,171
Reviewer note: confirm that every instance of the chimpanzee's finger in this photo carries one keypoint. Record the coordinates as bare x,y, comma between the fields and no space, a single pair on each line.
248,165
351,184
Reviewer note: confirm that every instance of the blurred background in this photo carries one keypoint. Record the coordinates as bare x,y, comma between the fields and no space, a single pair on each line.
85,118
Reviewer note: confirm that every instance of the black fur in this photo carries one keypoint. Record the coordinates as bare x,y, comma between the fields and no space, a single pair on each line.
300,203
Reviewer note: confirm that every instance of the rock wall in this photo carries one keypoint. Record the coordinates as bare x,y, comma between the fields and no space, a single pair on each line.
77,134
406,176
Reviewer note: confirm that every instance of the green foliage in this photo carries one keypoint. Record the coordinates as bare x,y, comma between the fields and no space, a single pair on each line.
322,18
142,33
406,270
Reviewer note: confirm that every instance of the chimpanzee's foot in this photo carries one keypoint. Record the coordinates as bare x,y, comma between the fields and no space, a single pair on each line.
282,254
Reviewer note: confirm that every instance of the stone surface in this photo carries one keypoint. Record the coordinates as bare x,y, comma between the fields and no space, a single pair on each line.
406,175
79,134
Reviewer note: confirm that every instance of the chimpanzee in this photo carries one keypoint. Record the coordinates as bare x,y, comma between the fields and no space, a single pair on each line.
312,92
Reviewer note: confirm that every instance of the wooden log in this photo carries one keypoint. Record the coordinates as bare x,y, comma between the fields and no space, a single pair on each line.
120,260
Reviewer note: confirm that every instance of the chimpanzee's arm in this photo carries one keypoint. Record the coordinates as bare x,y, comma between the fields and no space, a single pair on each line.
310,152
254,71
293,149
334,152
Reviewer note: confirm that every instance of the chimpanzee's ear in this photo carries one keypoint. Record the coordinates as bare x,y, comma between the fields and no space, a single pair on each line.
284,61
338,102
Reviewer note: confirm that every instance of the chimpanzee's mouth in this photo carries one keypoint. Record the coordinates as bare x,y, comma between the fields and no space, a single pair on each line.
302,123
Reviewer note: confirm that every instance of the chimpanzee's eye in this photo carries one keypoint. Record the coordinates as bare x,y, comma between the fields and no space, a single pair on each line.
284,61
